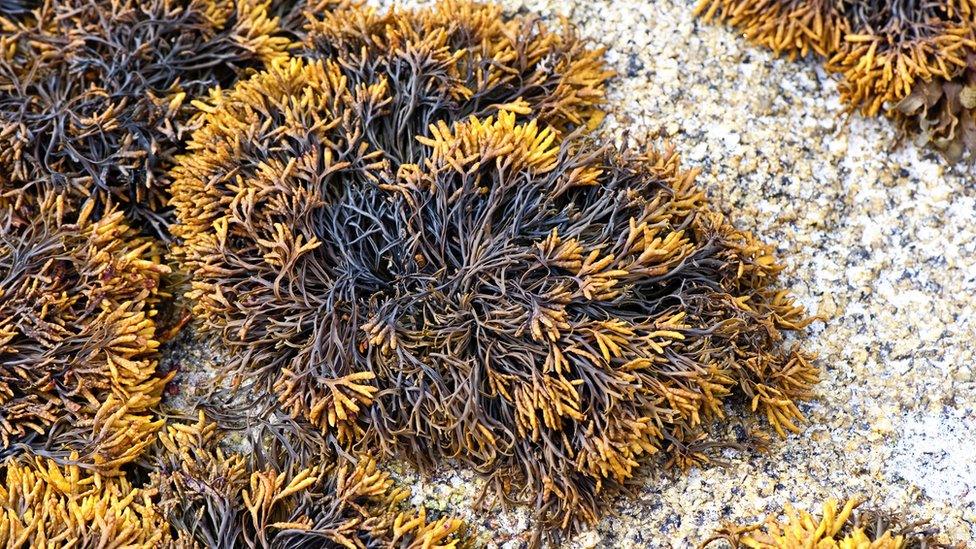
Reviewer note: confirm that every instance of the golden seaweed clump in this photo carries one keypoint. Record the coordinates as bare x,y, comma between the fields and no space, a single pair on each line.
791,27
217,499
542,307
44,504
837,528
77,335
95,95
459,58
914,61
892,46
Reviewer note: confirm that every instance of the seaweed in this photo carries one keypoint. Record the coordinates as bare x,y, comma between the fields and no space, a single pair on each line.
95,95
47,504
943,112
792,27
914,61
844,527
518,296
890,46
222,500
77,334
457,59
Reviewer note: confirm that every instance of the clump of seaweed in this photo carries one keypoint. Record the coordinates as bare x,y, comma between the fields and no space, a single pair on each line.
915,61
375,81
943,112
95,95
835,528
457,59
543,308
77,334
891,46
214,499
791,27
46,504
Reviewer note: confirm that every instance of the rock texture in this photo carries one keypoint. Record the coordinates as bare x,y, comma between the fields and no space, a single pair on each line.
880,239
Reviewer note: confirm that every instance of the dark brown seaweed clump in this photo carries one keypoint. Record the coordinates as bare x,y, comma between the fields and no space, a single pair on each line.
16,8
77,335
457,59
916,61
487,287
216,499
943,113
842,528
95,95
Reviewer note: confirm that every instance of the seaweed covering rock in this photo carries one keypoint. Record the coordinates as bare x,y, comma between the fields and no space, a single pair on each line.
77,335
844,527
494,286
44,504
914,60
95,95
213,499
457,59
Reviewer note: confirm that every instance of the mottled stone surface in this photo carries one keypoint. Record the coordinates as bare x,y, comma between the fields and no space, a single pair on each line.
878,236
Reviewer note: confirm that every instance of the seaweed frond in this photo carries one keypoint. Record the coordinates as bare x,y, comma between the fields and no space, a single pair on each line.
16,8
837,527
459,58
943,112
45,504
892,46
217,499
95,95
791,27
913,61
77,334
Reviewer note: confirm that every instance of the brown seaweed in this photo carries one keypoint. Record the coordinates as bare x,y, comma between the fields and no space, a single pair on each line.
913,61
77,334
95,95
528,300
844,527
216,499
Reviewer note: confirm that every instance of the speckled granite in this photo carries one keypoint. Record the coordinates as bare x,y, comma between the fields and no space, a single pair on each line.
878,236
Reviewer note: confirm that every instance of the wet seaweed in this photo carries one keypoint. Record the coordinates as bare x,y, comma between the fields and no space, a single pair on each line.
847,526
47,504
913,61
223,500
77,335
518,296
95,95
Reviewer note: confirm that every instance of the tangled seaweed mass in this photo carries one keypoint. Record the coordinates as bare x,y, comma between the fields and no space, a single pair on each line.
407,239
95,96
846,527
78,299
198,496
46,504
216,500
914,60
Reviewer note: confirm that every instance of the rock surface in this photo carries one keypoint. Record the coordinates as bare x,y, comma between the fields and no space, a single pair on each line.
879,237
